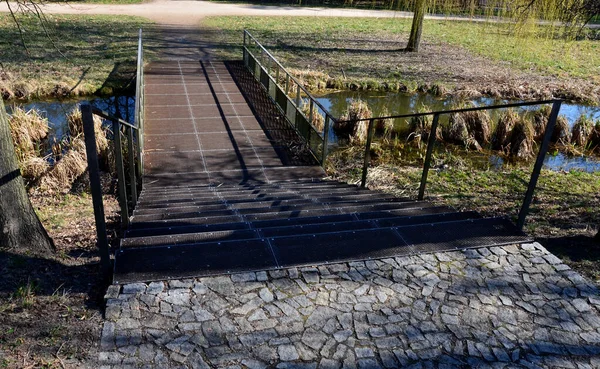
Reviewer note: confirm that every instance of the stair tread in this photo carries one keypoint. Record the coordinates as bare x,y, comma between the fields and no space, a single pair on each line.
145,264
265,229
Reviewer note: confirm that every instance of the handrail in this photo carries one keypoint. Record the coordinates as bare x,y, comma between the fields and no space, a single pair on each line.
135,142
432,139
329,118
105,115
453,111
139,104
294,79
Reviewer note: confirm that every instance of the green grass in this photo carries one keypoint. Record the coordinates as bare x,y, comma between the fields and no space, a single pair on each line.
366,46
88,49
565,203
555,57
563,216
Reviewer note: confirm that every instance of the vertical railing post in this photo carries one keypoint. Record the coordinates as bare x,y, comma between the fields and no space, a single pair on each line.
120,174
311,111
325,139
244,51
367,161
96,188
287,84
277,74
538,164
427,163
298,97
132,177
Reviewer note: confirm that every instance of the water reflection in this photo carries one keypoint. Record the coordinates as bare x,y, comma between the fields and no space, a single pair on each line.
57,111
382,103
403,103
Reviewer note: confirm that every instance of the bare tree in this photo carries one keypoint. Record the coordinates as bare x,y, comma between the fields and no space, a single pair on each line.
32,8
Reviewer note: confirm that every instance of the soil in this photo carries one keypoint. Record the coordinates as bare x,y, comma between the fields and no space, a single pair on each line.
51,306
436,66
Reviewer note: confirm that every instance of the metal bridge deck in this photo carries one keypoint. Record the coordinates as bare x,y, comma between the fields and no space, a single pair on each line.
224,192
200,129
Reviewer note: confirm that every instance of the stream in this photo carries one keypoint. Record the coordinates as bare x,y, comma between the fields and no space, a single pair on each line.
397,103
401,103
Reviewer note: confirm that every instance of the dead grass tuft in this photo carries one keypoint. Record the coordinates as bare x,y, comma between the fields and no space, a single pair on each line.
582,131
384,127
456,131
34,168
420,127
540,121
561,133
353,127
76,129
318,120
522,139
70,154
502,137
71,165
28,130
6,93
479,125
22,90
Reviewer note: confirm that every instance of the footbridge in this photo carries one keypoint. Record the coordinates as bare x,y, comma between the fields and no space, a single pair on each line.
222,173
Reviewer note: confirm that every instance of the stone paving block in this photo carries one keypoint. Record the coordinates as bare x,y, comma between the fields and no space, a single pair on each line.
526,313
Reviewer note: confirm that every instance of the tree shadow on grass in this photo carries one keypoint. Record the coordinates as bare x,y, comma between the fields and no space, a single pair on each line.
121,80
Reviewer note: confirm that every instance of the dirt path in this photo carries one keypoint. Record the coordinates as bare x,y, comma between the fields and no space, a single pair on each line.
191,12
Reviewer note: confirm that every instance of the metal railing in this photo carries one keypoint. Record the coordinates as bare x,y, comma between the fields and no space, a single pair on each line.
302,110
134,135
304,113
432,140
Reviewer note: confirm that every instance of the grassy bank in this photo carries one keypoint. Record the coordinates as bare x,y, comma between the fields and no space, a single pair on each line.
367,53
564,214
84,55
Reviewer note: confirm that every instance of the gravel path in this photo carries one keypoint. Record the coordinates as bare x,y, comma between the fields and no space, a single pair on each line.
187,12
500,307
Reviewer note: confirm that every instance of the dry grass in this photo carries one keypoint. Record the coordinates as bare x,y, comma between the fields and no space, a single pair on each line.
71,166
522,139
479,125
29,130
540,121
75,123
456,131
357,110
420,127
353,127
384,127
582,130
317,121
70,154
502,135
562,133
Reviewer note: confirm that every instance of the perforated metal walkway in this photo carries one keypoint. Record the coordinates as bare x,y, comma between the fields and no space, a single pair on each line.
225,192
200,129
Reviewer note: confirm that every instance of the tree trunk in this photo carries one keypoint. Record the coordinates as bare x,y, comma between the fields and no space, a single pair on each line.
417,26
19,224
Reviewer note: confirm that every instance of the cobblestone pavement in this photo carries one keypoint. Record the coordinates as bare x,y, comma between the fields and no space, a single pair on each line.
499,307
